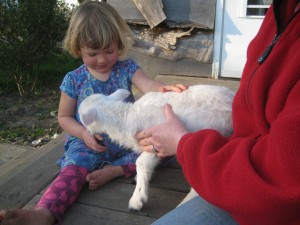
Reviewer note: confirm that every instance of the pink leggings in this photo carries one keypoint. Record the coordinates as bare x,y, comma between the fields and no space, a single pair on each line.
63,191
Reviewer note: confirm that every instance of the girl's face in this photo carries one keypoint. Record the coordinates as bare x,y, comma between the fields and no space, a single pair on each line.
100,61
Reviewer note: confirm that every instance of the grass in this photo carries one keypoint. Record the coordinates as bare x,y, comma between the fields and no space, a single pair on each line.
50,73
14,133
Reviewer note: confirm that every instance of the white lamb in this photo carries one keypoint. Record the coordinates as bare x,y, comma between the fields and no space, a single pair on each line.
199,107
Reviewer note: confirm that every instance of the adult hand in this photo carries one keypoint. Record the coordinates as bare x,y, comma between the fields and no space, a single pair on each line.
93,142
164,137
173,87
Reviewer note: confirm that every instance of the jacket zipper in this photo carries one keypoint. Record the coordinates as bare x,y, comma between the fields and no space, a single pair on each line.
268,50
266,53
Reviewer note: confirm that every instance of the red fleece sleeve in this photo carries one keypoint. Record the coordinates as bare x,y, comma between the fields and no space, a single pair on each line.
250,178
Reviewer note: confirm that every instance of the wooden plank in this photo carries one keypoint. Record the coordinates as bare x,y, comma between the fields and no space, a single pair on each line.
168,176
112,204
115,196
152,10
6,167
161,202
192,13
230,83
197,13
170,179
33,202
183,67
28,178
128,11
81,214
175,44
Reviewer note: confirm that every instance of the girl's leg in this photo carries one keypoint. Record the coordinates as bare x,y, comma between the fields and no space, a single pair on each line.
124,165
129,170
26,217
196,212
59,196
102,176
63,191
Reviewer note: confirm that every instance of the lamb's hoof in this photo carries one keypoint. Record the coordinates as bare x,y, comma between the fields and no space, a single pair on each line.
134,205
133,210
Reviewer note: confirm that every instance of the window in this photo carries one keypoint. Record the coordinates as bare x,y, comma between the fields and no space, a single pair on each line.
254,8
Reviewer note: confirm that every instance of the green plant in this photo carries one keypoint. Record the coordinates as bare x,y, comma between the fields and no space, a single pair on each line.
18,132
55,66
30,31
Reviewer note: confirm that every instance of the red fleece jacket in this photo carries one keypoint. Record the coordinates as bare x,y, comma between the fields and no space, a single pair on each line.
255,174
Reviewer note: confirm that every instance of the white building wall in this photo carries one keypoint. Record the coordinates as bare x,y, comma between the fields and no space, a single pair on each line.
233,34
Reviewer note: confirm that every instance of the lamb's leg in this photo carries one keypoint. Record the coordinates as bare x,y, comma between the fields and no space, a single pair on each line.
145,166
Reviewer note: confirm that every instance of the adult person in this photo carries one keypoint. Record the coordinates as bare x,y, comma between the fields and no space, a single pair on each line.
252,177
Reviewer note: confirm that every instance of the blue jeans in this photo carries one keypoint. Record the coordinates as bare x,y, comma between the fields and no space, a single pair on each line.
196,211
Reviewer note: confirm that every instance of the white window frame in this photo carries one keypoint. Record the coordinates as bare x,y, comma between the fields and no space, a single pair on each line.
243,6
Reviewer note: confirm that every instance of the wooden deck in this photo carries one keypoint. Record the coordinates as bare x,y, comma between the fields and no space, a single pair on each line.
23,181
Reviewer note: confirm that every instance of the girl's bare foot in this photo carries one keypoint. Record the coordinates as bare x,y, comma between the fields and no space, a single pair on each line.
39,216
100,177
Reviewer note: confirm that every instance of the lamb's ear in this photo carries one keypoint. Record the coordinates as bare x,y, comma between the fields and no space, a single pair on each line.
119,94
88,117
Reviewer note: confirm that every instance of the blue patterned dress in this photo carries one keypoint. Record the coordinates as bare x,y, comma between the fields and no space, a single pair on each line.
79,84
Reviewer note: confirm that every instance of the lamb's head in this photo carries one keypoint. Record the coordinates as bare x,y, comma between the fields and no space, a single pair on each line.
92,109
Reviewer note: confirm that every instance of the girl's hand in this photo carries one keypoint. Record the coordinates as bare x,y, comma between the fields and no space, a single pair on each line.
173,87
93,142
164,137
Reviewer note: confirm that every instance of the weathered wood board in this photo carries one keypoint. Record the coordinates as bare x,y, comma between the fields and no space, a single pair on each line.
152,10
153,66
190,13
81,214
30,176
175,45
128,11
115,196
109,204
187,13
185,36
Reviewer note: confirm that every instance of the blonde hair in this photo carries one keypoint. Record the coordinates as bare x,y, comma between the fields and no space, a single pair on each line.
96,25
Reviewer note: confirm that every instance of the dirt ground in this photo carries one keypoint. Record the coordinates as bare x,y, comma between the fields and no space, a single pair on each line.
27,123
29,120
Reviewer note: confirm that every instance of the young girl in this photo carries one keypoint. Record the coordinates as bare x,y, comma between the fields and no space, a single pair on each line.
100,37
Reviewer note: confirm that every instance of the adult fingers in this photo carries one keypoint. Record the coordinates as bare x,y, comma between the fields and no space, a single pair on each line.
143,134
145,142
169,113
